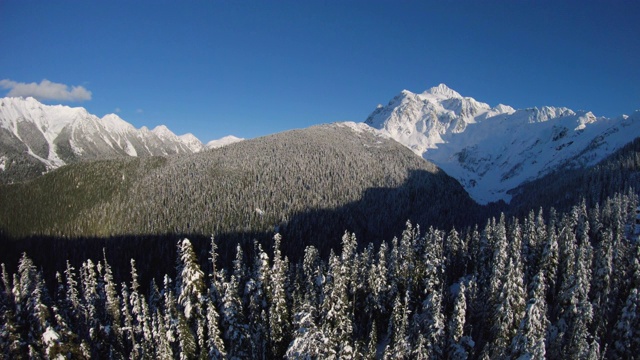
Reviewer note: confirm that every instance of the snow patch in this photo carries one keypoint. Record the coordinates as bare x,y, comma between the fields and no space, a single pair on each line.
227,140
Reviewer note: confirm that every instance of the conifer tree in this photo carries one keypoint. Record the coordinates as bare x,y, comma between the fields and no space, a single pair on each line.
627,328
279,316
215,344
255,293
379,278
313,275
232,314
309,341
399,347
9,336
112,309
190,282
529,341
33,314
372,344
170,317
429,320
337,305
457,347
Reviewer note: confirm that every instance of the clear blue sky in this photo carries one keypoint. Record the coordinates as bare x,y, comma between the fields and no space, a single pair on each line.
251,68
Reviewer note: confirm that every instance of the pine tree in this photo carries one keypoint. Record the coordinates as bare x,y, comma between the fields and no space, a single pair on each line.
601,283
380,280
429,321
338,305
313,275
140,316
161,341
529,341
232,314
33,314
279,316
171,318
454,253
372,344
215,344
459,345
309,341
190,281
256,295
575,310
627,329
9,336
112,310
399,347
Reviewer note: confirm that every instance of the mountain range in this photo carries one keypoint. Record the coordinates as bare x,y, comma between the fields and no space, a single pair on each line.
494,150
491,151
36,138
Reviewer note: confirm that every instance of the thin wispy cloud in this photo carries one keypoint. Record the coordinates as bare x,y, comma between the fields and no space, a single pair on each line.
117,110
139,111
46,90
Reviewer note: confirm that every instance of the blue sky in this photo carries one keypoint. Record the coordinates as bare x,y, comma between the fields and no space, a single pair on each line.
251,68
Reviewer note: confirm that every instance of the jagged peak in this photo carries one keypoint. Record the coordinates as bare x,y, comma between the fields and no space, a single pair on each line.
443,90
162,130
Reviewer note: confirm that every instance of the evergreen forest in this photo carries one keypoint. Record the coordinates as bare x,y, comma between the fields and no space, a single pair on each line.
547,286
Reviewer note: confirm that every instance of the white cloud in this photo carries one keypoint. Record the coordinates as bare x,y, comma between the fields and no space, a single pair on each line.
117,110
139,111
46,90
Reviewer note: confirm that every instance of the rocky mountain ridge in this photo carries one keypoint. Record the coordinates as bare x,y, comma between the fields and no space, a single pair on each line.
492,150
36,138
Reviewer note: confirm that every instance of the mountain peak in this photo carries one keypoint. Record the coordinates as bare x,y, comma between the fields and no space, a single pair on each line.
443,90
493,150
227,140
44,137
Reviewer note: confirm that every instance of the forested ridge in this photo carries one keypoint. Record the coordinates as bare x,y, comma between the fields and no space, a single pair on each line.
310,184
550,285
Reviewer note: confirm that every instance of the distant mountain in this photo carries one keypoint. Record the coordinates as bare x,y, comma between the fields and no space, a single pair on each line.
35,138
492,150
227,140
311,185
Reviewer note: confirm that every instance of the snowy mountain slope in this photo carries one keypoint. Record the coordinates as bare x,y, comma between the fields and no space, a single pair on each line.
42,137
493,150
218,143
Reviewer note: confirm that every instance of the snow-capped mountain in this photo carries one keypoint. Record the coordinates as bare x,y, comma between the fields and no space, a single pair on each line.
227,140
492,150
45,137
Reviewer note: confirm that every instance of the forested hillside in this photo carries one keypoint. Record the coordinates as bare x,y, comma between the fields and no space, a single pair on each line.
310,185
552,285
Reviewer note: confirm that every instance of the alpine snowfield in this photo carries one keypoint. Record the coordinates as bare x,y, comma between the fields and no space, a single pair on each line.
492,150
